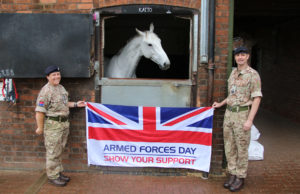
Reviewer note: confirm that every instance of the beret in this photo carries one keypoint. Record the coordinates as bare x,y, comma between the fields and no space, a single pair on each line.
241,49
51,69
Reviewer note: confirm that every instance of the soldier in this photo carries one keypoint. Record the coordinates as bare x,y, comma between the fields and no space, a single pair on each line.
52,110
244,96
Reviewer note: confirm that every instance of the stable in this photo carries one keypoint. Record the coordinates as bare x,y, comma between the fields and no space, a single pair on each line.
177,29
194,35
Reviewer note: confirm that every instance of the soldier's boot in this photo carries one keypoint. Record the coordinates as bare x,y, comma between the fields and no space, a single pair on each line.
64,177
230,180
237,185
57,182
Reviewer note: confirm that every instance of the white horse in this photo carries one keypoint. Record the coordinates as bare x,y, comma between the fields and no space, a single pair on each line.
147,44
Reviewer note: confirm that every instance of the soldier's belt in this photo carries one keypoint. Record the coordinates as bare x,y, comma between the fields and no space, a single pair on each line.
59,119
237,108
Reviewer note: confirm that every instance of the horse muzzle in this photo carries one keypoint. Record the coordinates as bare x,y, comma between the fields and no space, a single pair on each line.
165,66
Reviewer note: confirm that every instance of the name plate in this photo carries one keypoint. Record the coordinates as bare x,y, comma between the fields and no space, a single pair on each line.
145,10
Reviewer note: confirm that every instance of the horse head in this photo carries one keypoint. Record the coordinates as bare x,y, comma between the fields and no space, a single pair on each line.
151,48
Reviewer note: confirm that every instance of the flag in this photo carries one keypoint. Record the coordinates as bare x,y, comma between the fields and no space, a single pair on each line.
138,136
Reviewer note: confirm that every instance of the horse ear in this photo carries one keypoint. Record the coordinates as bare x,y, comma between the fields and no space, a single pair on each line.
151,27
139,32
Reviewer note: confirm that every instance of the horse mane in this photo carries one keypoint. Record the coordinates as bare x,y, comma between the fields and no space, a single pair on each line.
129,44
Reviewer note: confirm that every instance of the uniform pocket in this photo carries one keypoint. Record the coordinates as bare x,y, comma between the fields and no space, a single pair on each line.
53,137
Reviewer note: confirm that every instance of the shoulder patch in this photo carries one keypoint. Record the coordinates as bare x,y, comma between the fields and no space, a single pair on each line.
41,103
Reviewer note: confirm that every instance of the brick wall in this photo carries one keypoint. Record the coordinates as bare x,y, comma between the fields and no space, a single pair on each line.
46,6
220,77
21,148
187,3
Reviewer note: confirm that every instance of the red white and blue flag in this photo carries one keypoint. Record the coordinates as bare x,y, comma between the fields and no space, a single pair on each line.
137,136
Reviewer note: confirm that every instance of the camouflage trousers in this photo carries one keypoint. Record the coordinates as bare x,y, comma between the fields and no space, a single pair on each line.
236,142
56,136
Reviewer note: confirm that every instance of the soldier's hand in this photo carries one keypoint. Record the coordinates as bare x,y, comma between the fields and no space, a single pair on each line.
81,104
248,125
216,105
39,131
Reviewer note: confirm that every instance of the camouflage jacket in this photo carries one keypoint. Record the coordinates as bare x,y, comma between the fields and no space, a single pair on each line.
243,86
53,101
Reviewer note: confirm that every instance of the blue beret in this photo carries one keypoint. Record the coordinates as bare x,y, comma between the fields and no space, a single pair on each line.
241,49
51,69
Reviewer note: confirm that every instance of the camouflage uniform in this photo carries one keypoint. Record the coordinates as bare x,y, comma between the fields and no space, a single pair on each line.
243,86
53,101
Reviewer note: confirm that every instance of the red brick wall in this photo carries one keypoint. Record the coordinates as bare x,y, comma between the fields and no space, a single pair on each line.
80,6
46,6
220,77
21,148
186,3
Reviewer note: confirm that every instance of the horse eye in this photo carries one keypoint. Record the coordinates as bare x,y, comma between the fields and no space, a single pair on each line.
149,44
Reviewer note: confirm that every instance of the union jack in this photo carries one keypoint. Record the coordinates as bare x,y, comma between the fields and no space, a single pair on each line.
150,124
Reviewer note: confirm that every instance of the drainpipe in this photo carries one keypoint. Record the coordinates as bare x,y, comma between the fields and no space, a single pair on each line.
211,65
204,44
204,32
97,56
96,17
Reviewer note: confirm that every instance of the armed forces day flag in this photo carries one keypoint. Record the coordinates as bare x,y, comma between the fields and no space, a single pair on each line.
137,136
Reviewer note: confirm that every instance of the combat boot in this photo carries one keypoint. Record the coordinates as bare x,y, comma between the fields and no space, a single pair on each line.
57,182
64,177
230,180
237,185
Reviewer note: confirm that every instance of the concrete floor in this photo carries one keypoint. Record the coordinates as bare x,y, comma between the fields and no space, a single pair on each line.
277,173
